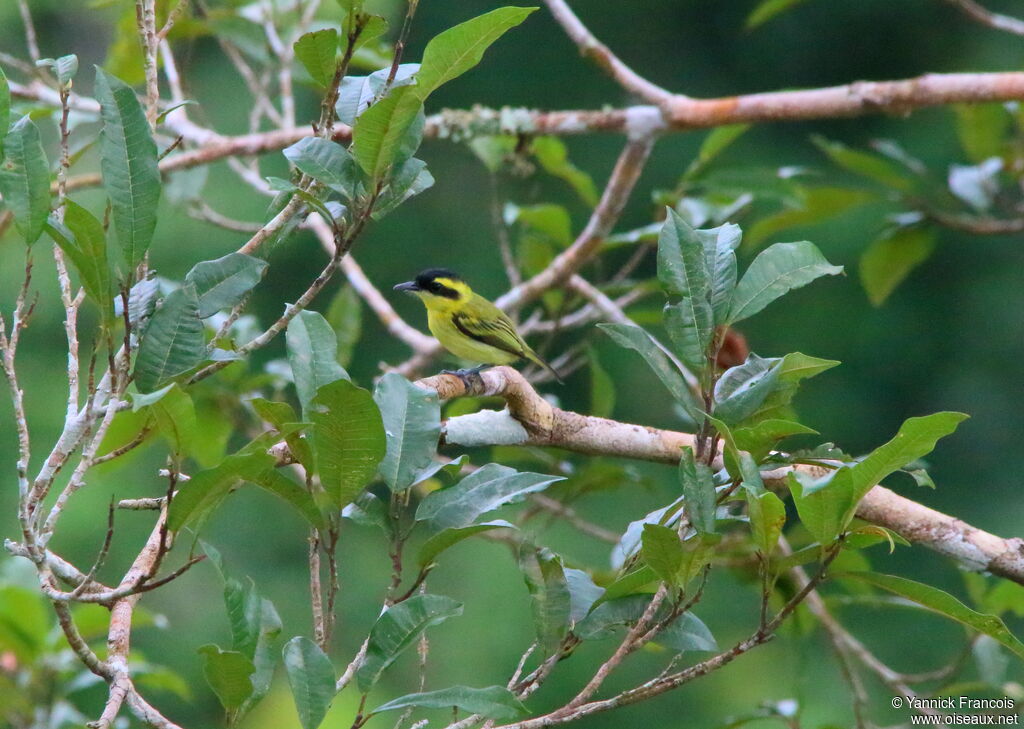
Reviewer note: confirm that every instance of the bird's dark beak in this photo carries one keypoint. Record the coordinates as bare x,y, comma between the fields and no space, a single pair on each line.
407,286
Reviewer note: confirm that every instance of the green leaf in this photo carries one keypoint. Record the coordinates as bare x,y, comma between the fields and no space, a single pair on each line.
982,129
662,551
198,496
716,142
795,367
494,702
449,537
64,68
84,241
128,162
699,492
768,9
317,52
407,180
866,164
817,205
549,593
294,494
682,270
822,504
228,673
348,439
720,257
222,283
482,491
942,603
380,132
891,257
312,354
282,417
357,93
761,438
554,158
173,342
687,633
602,388
397,629
325,161
767,517
175,416
5,106
25,179
777,270
345,315
412,422
741,390
311,677
450,54
583,593
637,339
265,655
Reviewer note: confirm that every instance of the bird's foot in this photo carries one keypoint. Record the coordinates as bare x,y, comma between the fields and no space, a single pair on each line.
469,376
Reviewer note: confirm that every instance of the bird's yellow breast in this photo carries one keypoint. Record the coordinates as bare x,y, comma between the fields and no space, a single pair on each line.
441,326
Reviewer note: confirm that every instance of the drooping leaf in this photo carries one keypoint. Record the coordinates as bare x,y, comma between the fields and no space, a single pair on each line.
494,702
890,258
348,439
720,254
482,491
84,241
549,592
699,491
25,178
222,283
327,162
583,593
687,633
128,161
317,52
942,603
449,537
357,93
228,673
682,270
265,655
207,488
759,439
312,354
294,494
175,416
777,270
397,629
380,132
635,338
282,417
173,342
412,422
822,504
767,517
311,678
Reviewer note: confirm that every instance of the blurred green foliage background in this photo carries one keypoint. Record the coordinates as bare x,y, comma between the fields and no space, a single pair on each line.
950,338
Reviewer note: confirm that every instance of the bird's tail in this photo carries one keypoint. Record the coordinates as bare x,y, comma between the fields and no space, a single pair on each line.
535,358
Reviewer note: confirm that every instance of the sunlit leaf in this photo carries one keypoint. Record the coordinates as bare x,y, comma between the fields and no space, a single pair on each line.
891,257
317,51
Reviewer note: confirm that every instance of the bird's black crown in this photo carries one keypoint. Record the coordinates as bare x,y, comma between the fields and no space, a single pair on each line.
428,281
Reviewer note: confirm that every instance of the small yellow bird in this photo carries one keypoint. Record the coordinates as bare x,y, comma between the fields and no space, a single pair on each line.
468,325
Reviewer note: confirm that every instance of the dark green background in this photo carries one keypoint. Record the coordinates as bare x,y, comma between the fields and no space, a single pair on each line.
950,338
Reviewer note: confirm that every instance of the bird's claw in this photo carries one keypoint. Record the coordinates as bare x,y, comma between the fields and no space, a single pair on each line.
469,376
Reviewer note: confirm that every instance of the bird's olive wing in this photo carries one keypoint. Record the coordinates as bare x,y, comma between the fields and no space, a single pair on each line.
497,332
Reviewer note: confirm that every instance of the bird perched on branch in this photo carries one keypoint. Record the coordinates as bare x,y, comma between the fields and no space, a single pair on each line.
468,325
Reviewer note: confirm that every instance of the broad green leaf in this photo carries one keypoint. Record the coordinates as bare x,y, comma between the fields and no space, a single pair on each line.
795,368
815,205
294,494
243,607
265,655
345,315
317,52
635,338
357,93
982,129
662,551
228,673
554,158
412,422
716,142
222,283
720,255
325,161
768,9
822,504
380,132
767,517
348,439
759,439
312,354
916,438
699,491
453,52
369,510
891,257
549,593
741,390
173,342
583,593
942,603
687,633
84,241
398,628
689,342
682,270
5,107
282,417
482,491
128,161
449,537
866,164
407,180
175,416
777,270
494,702
311,677
25,178
642,580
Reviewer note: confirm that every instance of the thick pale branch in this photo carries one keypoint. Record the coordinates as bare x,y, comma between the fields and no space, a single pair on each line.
532,420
